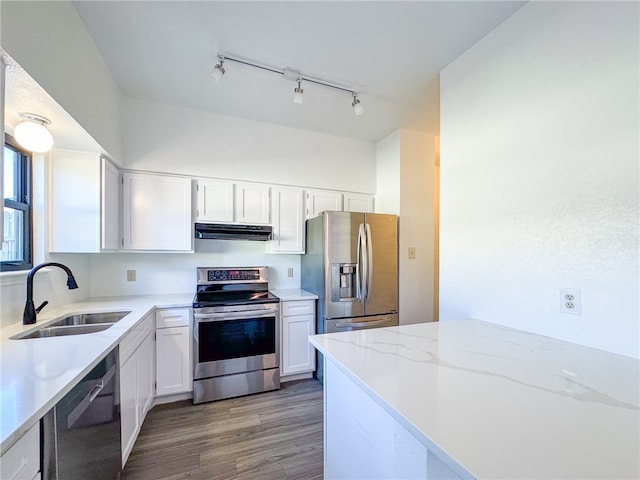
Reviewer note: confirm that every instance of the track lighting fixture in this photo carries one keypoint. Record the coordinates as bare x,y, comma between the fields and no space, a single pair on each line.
32,134
358,109
218,72
297,93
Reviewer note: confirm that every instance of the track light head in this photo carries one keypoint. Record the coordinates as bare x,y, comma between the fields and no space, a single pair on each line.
297,93
218,71
358,109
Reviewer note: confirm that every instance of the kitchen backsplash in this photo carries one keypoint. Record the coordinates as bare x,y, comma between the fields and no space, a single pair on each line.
162,273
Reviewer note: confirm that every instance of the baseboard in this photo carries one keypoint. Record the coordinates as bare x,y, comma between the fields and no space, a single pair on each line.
172,398
297,376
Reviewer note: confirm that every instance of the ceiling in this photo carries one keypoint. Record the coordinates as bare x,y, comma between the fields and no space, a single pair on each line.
391,51
24,94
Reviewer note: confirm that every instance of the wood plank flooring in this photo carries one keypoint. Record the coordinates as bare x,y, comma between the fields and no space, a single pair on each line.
272,435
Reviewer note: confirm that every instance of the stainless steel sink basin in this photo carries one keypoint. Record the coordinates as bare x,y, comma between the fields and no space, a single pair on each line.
65,330
89,319
76,325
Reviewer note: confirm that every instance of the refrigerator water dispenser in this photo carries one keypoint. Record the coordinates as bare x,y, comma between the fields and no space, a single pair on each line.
343,282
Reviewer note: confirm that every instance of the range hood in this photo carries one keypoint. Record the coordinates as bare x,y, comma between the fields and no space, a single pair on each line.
222,231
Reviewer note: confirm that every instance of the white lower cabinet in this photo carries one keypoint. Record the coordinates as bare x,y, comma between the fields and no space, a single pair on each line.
174,373
298,322
136,382
22,460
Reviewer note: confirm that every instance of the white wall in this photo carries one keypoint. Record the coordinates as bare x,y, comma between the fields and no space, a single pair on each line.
416,227
49,40
160,137
165,273
388,174
539,174
405,187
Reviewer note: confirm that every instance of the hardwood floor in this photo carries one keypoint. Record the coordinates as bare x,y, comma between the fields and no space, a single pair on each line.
272,435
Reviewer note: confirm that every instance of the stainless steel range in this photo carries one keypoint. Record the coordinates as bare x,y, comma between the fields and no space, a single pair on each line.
236,333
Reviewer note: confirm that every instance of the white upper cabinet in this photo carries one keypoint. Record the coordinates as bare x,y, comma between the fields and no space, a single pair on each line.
110,202
157,212
358,202
84,202
252,203
287,215
214,201
320,200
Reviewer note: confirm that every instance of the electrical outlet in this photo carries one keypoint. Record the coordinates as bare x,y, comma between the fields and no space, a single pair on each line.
290,272
412,252
131,275
571,301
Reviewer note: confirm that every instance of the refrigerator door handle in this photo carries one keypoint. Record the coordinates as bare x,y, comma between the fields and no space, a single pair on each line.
361,274
369,262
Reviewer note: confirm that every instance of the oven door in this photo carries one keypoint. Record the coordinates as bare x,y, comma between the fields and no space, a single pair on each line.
235,341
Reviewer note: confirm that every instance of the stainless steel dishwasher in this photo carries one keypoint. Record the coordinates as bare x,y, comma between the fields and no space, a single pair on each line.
81,434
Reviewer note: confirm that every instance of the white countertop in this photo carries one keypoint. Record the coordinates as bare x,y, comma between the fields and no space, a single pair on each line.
494,402
36,373
293,294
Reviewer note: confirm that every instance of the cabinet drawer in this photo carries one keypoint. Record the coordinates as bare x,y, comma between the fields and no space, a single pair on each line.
173,317
135,337
22,460
301,307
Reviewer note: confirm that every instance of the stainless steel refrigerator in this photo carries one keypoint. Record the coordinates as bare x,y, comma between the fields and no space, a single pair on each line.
351,263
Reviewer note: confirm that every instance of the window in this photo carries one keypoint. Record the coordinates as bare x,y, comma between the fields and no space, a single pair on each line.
16,244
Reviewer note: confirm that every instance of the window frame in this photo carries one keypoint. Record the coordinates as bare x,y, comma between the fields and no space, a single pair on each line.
24,204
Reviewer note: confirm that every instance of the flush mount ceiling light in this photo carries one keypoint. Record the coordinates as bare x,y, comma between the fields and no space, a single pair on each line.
32,134
297,93
218,72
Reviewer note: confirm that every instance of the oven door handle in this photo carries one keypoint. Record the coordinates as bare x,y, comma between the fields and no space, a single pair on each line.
218,317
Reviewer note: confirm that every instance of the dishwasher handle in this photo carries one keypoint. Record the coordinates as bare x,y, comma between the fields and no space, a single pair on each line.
82,406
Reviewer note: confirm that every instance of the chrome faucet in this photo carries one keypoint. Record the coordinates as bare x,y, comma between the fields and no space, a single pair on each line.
29,315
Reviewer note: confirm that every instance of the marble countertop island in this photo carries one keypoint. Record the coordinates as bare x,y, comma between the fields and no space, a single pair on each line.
494,402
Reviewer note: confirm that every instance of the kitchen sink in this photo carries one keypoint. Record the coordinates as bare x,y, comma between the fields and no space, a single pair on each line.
66,330
78,324
89,319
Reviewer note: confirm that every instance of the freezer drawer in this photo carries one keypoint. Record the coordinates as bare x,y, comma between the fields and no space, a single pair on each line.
360,323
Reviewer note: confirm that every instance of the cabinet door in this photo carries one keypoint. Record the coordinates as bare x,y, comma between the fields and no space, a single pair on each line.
22,460
215,201
173,360
157,212
358,202
110,218
128,405
297,353
145,377
287,214
74,202
252,203
320,200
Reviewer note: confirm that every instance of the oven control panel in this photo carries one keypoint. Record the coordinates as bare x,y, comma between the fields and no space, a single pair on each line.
225,275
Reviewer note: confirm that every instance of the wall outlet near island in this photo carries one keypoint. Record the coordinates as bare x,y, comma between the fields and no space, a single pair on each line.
571,301
131,275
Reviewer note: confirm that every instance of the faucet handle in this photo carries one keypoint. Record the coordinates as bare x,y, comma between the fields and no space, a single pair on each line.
42,305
